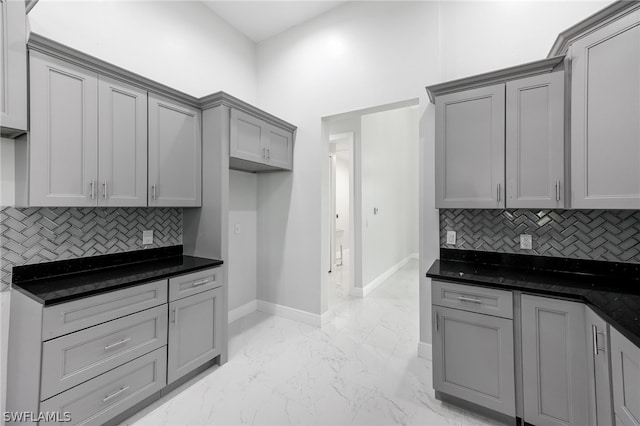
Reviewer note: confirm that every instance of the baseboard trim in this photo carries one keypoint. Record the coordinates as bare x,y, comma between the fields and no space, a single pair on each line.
425,350
364,292
243,311
290,313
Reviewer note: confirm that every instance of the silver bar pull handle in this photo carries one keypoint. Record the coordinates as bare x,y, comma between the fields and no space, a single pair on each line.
469,299
153,192
199,283
498,193
268,153
92,185
557,190
264,153
104,189
113,345
116,393
594,337
175,317
437,323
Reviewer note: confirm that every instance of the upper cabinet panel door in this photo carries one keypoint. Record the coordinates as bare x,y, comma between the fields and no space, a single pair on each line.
605,112
279,147
470,148
625,371
247,137
175,154
64,134
13,68
122,144
535,142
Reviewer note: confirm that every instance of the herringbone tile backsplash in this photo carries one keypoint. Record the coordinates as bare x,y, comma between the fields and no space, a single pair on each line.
36,235
611,235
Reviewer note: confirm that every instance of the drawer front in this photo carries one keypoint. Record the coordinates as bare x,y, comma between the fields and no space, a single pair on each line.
100,399
473,299
186,285
72,359
68,317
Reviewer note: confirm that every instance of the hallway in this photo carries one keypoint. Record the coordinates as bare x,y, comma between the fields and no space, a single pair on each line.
360,369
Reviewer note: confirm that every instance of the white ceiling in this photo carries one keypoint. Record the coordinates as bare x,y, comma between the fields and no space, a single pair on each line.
260,20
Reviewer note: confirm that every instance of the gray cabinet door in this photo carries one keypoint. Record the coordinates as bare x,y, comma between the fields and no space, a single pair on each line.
554,362
625,372
473,358
63,165
122,144
175,154
13,68
535,142
247,137
605,136
279,147
195,327
600,413
470,148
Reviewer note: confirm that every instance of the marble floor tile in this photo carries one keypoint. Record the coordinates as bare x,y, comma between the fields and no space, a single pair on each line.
360,369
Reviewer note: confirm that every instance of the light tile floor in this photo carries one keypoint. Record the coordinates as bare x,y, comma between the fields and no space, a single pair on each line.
360,369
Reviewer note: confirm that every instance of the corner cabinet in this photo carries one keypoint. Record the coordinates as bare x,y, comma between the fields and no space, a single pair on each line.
175,154
256,145
599,375
554,362
13,68
625,372
502,146
605,106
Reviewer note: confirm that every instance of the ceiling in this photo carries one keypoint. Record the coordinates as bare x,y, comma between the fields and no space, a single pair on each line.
260,20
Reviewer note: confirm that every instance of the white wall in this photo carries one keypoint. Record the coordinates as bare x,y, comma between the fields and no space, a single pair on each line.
182,44
361,55
243,211
342,196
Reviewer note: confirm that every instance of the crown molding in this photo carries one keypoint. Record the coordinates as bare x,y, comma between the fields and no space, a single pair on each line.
495,77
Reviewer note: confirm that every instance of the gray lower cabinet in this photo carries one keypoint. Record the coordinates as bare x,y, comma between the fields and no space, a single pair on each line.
195,332
470,148
625,372
554,362
605,136
473,358
257,146
105,396
175,154
600,412
13,68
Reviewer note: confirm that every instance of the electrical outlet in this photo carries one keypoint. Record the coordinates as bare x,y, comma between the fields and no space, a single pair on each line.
525,241
236,228
147,237
451,237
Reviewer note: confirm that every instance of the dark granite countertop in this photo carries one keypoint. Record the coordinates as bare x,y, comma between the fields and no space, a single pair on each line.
57,282
615,295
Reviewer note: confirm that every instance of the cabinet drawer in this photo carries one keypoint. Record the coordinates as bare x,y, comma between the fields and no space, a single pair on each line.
68,317
186,285
102,398
473,299
72,359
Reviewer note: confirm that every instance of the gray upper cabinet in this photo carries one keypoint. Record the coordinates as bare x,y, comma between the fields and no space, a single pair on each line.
63,151
122,146
470,148
605,136
257,146
554,362
535,142
600,413
175,154
195,332
625,372
13,68
473,358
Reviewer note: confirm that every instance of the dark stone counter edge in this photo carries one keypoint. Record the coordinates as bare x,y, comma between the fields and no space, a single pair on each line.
566,295
134,282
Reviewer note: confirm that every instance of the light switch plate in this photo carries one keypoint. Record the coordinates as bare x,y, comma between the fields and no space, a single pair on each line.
525,241
147,237
451,237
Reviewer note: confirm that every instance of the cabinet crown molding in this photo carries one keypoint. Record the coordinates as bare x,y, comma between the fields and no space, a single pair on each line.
495,77
610,13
